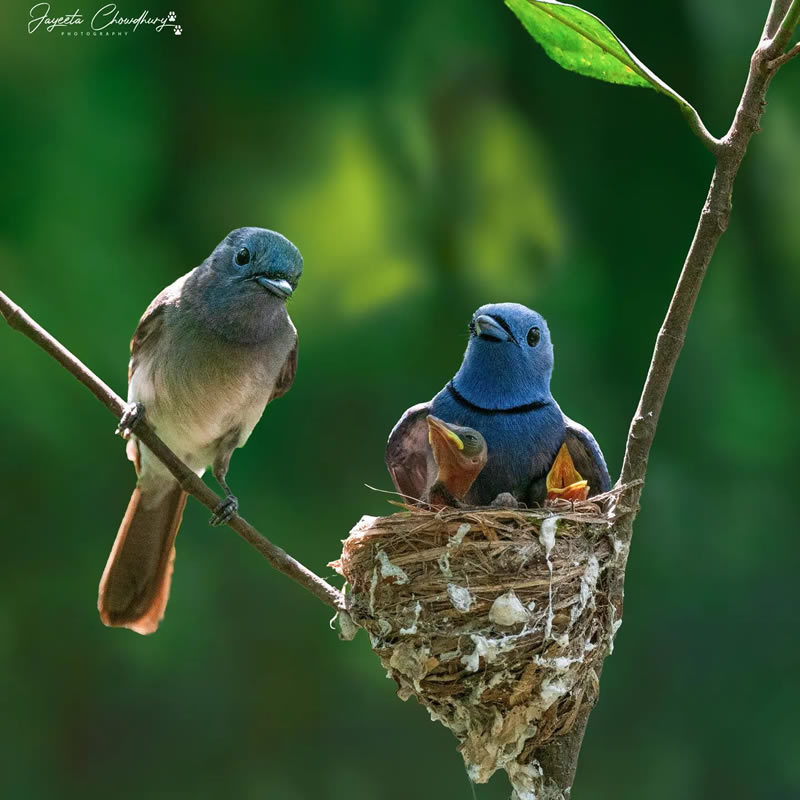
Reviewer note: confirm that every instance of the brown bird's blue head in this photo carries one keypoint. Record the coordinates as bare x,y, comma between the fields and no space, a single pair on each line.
258,260
241,289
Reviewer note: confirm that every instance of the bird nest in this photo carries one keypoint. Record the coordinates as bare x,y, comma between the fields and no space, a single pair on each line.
496,620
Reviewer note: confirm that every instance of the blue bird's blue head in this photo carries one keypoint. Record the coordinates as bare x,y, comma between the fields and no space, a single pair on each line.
255,260
509,358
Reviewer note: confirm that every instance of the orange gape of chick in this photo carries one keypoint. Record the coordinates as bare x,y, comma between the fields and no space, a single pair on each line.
460,454
564,481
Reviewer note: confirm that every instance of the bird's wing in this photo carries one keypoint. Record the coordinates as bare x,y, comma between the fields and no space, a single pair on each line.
148,331
285,377
407,452
587,457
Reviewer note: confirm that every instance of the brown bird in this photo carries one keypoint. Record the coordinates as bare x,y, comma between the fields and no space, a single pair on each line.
460,454
207,356
564,482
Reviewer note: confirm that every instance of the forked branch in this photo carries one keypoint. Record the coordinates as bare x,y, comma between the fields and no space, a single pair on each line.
767,58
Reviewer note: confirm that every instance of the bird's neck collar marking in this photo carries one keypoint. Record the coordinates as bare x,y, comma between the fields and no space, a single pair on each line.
534,406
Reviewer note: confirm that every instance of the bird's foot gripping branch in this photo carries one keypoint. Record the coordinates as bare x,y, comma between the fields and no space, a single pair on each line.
130,419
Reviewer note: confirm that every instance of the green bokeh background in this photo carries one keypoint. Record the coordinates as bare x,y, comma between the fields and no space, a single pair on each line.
426,157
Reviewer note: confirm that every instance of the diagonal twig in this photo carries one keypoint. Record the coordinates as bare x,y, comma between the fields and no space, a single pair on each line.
18,319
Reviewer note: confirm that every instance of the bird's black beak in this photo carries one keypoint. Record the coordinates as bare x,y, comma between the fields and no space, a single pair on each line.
277,286
490,328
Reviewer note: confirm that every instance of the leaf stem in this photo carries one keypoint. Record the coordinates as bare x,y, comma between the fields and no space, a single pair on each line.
699,129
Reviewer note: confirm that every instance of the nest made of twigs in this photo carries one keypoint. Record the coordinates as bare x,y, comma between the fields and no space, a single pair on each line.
495,619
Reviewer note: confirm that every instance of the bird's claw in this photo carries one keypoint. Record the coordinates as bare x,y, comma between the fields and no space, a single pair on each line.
131,417
225,511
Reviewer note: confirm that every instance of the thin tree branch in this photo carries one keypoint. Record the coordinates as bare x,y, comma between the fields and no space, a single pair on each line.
191,483
790,20
787,56
778,13
558,759
711,225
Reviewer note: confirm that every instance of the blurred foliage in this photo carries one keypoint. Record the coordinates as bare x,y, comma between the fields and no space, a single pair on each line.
426,158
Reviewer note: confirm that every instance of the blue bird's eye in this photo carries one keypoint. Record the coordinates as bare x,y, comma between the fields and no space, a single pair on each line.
243,257
534,334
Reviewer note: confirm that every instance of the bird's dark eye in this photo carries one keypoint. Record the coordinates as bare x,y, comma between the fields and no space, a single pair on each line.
243,257
469,437
534,334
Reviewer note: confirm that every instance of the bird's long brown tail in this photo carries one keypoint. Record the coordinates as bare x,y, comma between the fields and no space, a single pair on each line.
135,585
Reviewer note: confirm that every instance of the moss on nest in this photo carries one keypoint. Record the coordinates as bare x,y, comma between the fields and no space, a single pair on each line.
495,619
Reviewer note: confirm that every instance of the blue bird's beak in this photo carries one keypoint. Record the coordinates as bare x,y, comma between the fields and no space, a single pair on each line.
489,328
277,286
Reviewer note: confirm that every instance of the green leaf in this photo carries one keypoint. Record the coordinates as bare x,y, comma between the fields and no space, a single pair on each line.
578,41
582,43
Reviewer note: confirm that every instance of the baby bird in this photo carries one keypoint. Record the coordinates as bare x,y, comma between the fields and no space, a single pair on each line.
460,455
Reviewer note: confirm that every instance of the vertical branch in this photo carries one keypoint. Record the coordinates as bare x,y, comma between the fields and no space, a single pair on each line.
712,224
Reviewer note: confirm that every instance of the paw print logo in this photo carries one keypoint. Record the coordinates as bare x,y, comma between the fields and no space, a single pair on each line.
171,16
178,30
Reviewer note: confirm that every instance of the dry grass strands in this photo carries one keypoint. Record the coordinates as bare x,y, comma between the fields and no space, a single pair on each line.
493,618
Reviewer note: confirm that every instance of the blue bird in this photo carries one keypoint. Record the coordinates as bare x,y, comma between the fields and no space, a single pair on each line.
502,390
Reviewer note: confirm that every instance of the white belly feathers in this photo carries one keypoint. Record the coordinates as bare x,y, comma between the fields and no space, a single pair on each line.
193,406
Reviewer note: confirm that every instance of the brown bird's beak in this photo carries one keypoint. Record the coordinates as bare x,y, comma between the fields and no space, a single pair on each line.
564,481
277,286
441,431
